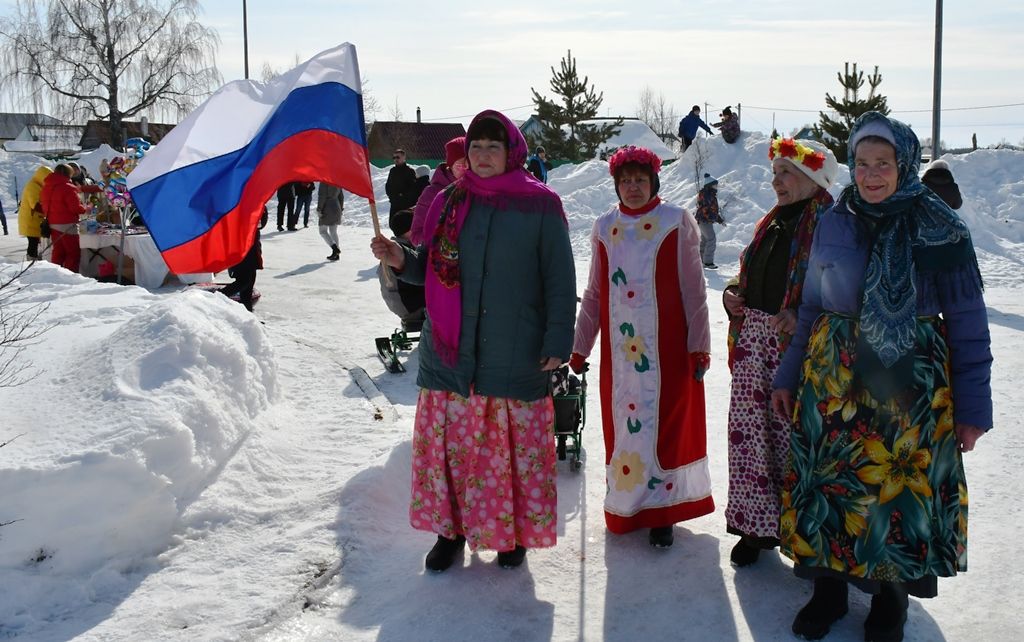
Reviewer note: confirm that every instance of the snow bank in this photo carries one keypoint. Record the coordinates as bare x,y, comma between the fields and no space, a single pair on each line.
15,171
142,410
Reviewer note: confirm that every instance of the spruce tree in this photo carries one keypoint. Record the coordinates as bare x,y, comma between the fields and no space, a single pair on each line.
835,132
575,102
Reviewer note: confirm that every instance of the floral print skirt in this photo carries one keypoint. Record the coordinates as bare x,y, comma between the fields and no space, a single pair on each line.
758,440
484,467
875,488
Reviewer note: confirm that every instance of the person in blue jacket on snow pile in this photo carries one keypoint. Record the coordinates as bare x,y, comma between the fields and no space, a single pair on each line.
688,127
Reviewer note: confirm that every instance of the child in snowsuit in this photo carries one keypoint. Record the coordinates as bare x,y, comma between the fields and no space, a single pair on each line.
707,216
407,300
939,179
729,125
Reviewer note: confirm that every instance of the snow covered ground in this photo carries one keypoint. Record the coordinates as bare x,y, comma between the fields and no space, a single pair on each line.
187,470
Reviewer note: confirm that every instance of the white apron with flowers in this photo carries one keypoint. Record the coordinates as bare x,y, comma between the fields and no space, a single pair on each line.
652,407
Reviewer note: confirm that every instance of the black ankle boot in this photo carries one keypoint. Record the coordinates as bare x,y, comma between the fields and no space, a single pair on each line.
335,253
513,558
443,554
744,554
661,537
827,605
888,614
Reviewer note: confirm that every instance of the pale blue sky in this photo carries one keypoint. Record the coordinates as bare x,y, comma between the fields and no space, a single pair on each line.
454,58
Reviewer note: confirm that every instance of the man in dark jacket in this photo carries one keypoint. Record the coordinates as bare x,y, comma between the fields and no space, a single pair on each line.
401,185
538,164
688,127
286,202
303,199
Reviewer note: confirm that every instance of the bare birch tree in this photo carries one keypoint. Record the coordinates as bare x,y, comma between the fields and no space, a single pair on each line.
653,109
107,59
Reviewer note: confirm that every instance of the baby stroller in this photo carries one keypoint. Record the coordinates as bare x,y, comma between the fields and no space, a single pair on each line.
569,394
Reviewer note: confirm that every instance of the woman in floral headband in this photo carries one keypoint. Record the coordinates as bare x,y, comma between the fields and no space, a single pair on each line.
646,297
887,380
761,303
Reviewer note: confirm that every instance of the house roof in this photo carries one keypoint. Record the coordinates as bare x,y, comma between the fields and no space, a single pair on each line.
807,133
421,141
97,132
12,124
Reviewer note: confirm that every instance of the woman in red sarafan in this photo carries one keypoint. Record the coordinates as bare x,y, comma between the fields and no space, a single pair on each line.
646,298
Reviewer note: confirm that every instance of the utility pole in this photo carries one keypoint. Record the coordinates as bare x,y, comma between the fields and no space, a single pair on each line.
937,86
245,38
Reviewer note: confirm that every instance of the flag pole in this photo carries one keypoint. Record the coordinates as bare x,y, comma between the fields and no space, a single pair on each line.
384,267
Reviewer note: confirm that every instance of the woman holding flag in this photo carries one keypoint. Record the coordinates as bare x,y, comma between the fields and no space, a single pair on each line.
500,285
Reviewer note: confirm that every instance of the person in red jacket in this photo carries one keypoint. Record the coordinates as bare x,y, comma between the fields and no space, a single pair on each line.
62,207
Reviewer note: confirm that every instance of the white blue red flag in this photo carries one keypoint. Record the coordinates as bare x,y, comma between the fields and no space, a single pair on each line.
201,190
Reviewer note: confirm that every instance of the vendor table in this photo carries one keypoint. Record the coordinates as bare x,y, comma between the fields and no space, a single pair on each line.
150,269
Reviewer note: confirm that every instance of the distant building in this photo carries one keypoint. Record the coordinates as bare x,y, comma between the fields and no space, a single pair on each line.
47,140
97,132
532,129
11,125
423,142
806,133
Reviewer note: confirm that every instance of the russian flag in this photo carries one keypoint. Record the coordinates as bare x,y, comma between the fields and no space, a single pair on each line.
202,189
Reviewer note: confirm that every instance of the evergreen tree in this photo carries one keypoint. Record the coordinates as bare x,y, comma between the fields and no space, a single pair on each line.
575,102
835,132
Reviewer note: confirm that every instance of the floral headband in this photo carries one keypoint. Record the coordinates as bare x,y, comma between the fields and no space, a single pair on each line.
796,153
633,154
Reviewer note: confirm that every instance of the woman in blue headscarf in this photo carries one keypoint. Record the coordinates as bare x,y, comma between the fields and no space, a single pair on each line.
887,381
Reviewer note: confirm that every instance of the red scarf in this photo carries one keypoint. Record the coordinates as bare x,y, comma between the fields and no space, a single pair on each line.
799,252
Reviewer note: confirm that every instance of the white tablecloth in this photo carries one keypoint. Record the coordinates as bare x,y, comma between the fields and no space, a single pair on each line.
150,269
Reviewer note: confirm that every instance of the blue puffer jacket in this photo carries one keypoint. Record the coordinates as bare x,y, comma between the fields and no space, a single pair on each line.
835,276
518,304
689,125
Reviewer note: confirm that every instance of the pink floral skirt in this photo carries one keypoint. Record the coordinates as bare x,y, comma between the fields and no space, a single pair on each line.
484,467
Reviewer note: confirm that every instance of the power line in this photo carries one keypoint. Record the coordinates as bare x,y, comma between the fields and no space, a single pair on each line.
912,111
471,115
895,111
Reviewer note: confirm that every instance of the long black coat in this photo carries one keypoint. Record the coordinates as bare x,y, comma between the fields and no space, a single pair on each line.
401,187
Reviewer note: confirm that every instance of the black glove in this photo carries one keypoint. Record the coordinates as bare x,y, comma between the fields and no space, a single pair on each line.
44,229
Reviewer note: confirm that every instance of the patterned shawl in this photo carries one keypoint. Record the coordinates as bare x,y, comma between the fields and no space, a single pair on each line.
799,252
515,190
913,228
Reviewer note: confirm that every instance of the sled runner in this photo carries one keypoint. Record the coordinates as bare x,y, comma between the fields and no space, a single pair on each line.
401,339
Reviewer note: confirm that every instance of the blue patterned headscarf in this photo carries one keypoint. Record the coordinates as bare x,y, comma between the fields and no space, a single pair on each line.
914,229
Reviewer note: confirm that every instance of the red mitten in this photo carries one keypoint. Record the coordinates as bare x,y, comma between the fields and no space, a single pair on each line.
702,361
577,362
